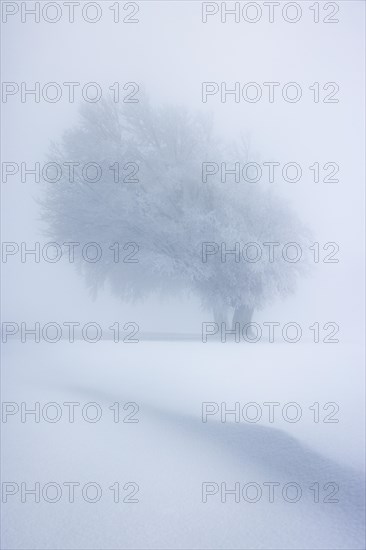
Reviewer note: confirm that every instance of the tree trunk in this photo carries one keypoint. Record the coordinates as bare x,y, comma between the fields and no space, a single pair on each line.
243,315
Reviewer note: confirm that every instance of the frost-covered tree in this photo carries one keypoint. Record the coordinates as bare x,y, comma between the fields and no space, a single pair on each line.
166,209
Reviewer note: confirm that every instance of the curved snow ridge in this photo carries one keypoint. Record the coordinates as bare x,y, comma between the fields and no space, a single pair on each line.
230,453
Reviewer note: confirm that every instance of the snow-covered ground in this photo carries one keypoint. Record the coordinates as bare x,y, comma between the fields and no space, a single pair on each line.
170,452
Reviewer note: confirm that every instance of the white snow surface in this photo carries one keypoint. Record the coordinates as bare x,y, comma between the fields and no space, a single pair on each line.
170,452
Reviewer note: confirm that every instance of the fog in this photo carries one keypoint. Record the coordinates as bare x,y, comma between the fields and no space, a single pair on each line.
170,53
